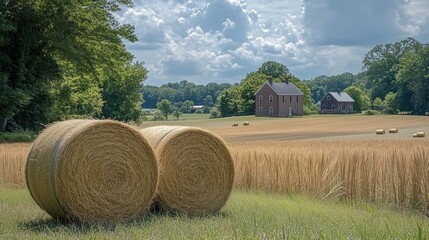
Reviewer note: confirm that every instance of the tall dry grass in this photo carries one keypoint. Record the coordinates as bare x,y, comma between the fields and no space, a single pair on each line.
394,172
13,157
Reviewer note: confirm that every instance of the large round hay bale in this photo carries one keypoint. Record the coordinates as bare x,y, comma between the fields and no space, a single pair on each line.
196,169
92,171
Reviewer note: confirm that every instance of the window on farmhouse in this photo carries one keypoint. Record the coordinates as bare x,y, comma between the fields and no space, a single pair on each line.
271,98
261,98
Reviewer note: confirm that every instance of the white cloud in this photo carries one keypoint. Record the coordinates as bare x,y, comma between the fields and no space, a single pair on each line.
222,40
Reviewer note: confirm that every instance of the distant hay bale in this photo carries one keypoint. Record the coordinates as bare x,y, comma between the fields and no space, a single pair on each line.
92,171
379,131
196,169
235,124
246,123
420,134
393,130
414,135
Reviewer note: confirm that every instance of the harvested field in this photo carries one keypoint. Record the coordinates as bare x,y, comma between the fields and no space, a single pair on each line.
324,127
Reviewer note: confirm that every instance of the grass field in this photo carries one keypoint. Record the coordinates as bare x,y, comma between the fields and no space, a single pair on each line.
309,168
248,215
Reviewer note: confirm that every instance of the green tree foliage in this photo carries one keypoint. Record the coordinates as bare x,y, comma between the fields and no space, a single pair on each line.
187,106
176,113
248,87
182,91
413,76
122,93
390,102
378,104
273,69
230,102
360,97
165,106
381,66
56,56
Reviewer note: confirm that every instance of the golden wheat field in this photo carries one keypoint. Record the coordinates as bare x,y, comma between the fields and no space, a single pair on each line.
392,169
394,172
13,157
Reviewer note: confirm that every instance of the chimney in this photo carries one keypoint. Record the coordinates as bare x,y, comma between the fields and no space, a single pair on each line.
286,80
270,80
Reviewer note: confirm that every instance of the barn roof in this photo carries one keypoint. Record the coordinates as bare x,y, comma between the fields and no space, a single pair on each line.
283,88
342,97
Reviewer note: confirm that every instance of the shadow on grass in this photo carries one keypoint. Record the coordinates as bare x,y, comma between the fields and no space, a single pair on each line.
51,225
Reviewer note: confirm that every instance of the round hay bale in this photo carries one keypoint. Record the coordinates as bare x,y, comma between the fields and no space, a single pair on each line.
393,130
379,131
420,134
92,171
414,135
196,169
246,123
235,124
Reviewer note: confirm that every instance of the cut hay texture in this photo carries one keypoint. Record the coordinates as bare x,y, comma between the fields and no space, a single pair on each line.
393,130
92,171
196,169
379,131
246,124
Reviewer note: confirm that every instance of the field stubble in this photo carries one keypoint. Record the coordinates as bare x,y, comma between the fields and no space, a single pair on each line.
392,172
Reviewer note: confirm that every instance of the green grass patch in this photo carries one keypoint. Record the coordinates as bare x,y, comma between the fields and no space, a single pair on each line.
246,216
15,137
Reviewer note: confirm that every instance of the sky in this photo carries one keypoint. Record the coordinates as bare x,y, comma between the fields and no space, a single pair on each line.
220,41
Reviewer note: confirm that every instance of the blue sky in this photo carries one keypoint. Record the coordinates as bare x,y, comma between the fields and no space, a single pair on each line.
223,40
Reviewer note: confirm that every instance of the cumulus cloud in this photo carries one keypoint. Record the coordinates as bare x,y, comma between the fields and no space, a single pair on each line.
223,40
364,22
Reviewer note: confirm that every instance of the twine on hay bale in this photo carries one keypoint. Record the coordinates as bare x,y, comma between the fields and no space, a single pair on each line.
92,171
196,169
379,131
393,130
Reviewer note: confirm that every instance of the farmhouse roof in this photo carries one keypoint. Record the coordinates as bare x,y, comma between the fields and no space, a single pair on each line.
283,88
342,97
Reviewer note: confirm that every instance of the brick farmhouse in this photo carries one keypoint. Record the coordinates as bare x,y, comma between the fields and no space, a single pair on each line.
279,100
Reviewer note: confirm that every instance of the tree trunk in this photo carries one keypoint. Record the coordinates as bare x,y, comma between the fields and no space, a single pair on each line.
3,125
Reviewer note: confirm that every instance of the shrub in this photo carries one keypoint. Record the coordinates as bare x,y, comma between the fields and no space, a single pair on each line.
158,116
20,136
214,113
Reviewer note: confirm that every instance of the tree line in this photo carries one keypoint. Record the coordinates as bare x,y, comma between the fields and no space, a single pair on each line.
66,59
183,92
